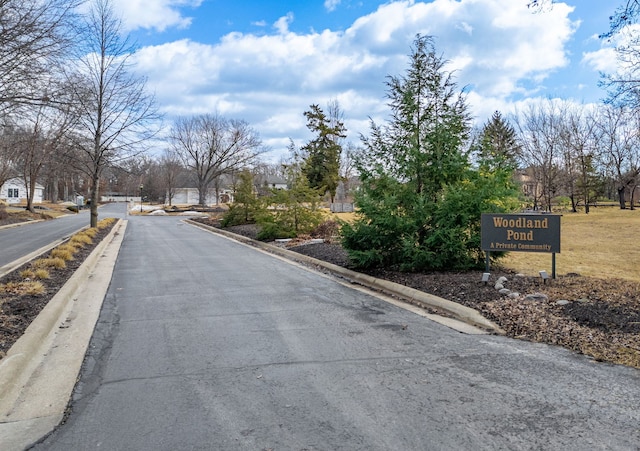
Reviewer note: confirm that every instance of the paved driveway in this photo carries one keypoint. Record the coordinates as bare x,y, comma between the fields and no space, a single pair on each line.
207,344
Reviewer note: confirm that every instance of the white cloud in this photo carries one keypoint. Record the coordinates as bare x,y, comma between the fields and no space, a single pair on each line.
331,5
603,60
497,47
156,14
607,60
282,24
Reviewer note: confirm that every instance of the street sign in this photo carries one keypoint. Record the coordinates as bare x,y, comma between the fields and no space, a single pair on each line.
527,232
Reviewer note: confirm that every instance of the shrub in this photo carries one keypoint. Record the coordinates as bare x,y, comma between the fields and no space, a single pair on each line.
22,288
69,247
246,206
563,203
64,254
41,274
43,263
327,230
72,208
34,273
92,232
81,238
236,215
106,222
272,231
295,211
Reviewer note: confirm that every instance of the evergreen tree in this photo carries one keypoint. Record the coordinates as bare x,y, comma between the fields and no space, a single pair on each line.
246,206
420,201
499,144
292,211
322,162
498,154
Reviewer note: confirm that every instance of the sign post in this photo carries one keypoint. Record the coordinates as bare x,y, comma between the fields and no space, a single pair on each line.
526,232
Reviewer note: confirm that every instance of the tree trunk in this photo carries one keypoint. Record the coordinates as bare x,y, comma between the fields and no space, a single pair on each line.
31,188
586,204
94,200
574,207
54,190
621,199
216,185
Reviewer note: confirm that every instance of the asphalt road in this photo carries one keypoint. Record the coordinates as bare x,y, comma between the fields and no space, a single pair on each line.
17,242
206,344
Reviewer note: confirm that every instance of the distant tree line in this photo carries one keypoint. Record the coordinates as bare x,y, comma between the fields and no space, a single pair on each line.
75,117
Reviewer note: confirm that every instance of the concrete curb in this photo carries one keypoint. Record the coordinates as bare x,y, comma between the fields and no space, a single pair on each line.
18,224
410,295
9,267
39,372
23,223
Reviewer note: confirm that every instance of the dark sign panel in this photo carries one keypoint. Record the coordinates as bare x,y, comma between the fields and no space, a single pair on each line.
521,233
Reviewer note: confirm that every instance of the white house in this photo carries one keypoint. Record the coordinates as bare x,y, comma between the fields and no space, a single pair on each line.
14,191
275,182
189,196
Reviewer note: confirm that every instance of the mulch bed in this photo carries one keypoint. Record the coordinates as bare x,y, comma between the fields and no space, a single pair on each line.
18,311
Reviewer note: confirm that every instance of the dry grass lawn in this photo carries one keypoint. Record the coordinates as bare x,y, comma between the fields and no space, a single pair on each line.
52,210
602,244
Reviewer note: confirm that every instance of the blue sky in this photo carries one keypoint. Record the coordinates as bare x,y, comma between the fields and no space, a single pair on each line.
267,61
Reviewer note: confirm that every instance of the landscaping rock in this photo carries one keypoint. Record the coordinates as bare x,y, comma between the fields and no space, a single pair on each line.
537,297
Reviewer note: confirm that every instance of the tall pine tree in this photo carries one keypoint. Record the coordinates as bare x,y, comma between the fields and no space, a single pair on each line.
499,145
322,161
420,201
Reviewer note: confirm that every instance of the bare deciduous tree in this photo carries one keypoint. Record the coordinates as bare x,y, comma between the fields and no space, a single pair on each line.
34,34
210,146
581,155
117,114
620,143
171,169
7,154
40,141
348,168
540,129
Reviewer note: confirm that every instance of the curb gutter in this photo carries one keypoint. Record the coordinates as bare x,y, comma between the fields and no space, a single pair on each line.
39,372
18,224
410,295
9,267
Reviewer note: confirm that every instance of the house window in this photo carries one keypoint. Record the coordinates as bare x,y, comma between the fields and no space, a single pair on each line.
13,193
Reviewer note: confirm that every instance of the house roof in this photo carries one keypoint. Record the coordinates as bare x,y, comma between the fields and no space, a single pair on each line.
274,180
18,181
